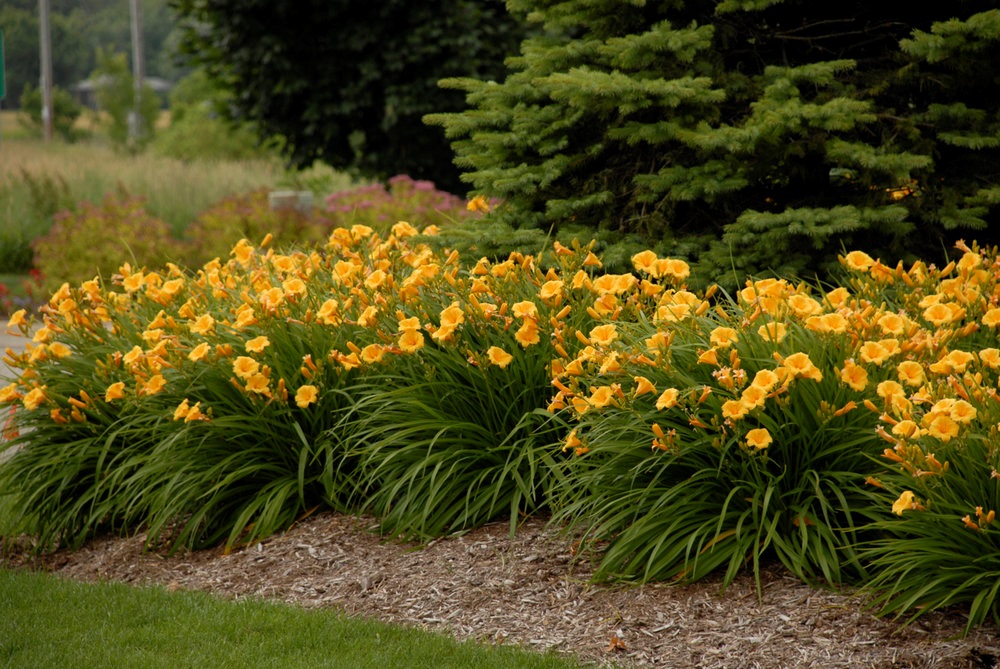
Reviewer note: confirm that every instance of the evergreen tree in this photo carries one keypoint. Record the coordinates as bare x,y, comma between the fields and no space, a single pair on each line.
746,134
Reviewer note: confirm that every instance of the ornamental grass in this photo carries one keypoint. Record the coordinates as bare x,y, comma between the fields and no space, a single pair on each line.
848,432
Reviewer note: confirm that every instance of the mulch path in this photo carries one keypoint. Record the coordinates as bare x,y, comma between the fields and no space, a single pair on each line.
531,590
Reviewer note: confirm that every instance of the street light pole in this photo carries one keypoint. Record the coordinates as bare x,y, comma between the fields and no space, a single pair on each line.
138,71
46,58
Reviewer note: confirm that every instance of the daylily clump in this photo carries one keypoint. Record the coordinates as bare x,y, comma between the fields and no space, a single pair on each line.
299,347
690,431
781,392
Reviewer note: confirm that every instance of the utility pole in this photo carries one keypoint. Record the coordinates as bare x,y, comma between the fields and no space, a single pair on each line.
138,71
45,42
3,76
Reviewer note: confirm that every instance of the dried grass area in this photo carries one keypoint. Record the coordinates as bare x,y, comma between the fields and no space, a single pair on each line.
531,591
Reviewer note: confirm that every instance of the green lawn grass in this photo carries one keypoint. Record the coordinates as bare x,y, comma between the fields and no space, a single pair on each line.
46,621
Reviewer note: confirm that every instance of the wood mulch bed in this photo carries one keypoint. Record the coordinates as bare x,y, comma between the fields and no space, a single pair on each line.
530,590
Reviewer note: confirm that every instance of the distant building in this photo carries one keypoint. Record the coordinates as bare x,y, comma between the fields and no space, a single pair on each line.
84,91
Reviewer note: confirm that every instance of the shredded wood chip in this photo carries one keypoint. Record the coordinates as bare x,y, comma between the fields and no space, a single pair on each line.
535,590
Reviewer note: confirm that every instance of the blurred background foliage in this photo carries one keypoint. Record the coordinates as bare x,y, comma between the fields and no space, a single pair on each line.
749,138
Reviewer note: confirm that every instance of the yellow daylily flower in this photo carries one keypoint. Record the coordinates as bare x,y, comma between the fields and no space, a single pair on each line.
306,395
603,335
115,391
199,351
411,340
257,344
759,438
499,357
642,386
667,399
527,334
203,325
906,502
34,398
245,367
